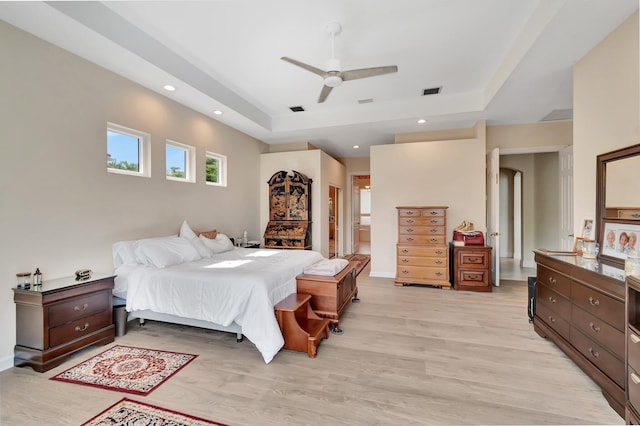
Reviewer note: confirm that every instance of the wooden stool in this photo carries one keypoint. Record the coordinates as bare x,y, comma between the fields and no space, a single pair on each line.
301,328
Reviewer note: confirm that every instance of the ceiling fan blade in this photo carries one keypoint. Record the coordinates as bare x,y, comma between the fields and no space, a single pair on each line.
368,72
313,69
324,93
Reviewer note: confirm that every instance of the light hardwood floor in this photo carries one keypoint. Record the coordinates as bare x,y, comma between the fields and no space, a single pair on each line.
409,355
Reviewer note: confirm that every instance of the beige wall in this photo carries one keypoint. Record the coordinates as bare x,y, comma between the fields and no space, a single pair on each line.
319,167
61,210
606,109
424,174
543,136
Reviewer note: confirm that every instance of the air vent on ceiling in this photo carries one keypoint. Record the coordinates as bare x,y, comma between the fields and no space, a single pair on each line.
559,115
365,101
431,91
296,108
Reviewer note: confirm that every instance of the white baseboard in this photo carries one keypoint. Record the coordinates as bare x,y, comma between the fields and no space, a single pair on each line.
382,274
6,363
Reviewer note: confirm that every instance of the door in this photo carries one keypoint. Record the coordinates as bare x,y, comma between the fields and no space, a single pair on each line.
493,212
355,214
566,198
334,221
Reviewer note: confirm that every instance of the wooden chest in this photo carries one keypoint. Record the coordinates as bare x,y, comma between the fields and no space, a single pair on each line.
422,255
61,317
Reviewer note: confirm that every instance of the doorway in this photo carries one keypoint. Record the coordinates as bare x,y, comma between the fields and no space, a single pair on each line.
361,214
334,222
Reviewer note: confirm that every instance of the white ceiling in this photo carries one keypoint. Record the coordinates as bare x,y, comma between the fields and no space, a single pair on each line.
503,61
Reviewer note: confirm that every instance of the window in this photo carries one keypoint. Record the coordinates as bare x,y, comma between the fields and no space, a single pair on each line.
216,169
180,164
128,151
365,206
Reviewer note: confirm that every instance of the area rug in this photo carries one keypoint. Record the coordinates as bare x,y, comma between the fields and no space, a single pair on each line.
127,369
362,259
128,412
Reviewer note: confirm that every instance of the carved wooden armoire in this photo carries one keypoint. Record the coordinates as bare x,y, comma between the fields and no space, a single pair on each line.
289,224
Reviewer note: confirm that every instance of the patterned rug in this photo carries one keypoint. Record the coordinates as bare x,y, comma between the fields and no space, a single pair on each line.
128,412
127,369
362,259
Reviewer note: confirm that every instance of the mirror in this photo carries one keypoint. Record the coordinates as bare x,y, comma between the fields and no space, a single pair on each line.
617,202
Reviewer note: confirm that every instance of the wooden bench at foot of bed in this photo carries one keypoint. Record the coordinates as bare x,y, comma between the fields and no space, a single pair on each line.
301,328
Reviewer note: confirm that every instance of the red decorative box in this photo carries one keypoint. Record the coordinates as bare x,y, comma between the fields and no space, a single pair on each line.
469,238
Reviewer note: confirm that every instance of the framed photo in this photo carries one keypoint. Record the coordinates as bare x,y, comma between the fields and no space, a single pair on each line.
587,229
578,245
619,238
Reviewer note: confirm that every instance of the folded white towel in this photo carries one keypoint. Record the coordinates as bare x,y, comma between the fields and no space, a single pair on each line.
328,267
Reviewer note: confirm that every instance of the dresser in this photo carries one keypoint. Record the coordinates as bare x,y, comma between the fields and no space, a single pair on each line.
580,306
330,295
471,267
422,255
61,317
632,409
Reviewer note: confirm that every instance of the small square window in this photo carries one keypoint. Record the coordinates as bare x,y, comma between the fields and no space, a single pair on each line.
128,151
180,162
216,169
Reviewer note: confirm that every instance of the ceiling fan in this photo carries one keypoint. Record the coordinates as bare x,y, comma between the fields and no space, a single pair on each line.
334,76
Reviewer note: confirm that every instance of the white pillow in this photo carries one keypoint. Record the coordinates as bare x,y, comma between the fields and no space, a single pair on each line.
123,253
220,244
165,251
187,233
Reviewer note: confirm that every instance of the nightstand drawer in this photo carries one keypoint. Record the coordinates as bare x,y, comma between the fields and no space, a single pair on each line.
473,259
79,307
474,278
68,332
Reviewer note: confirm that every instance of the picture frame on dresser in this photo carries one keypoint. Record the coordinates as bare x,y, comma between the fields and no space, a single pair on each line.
619,238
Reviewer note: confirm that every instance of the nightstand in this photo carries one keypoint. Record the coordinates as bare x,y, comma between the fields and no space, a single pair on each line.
471,267
61,317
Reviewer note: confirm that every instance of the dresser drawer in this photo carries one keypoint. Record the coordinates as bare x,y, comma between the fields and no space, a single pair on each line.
68,332
633,350
599,356
473,259
431,212
598,330
421,221
554,301
422,261
421,230
629,214
598,304
634,388
433,240
553,320
474,278
78,307
423,272
554,280
422,251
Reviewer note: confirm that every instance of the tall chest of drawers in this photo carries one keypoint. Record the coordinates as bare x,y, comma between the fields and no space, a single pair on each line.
580,307
632,409
61,317
422,255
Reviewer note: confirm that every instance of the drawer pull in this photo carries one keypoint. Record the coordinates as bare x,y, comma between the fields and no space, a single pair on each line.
404,260
434,221
433,213
86,325
78,308
409,239
594,327
635,215
410,221
552,280
439,252
439,262
404,251
552,300
434,230
405,271
635,338
434,240
593,353
551,319
634,378
409,213
593,302
409,229
439,274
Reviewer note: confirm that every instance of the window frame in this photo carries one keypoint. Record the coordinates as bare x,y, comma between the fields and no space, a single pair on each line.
144,150
222,168
189,158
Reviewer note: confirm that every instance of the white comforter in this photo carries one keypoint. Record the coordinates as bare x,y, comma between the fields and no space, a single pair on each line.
240,285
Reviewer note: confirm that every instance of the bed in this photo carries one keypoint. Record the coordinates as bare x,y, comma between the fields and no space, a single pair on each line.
233,290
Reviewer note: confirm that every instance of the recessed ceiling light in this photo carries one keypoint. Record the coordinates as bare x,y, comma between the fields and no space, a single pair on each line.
356,146
169,88
217,112
422,121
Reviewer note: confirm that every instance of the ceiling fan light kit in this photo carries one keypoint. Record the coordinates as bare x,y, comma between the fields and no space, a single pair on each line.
332,75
